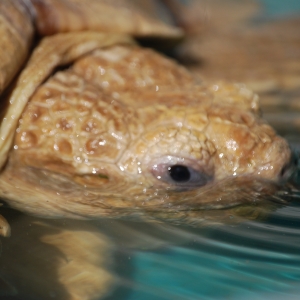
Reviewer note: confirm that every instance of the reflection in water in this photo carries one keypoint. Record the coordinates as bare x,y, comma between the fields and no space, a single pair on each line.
253,260
53,259
64,259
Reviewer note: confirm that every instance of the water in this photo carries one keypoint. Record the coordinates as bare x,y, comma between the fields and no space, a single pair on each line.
279,8
253,260
250,260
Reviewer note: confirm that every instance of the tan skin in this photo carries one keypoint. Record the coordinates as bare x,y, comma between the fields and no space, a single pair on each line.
85,147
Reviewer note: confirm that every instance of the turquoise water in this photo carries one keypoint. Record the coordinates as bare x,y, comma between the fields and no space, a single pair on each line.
280,8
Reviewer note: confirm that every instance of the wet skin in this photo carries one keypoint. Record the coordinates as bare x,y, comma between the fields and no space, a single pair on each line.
126,131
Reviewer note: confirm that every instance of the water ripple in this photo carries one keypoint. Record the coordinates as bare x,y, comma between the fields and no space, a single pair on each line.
253,260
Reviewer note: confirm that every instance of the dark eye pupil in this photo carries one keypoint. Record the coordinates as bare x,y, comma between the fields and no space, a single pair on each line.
179,173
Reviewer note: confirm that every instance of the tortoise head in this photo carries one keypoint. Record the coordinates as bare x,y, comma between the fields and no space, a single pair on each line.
126,131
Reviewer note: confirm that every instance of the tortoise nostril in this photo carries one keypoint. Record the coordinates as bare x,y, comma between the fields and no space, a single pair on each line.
288,170
284,170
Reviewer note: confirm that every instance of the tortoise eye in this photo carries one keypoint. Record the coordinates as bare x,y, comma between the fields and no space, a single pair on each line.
179,173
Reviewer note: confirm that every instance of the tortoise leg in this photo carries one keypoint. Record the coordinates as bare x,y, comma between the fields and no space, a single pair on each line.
82,271
61,259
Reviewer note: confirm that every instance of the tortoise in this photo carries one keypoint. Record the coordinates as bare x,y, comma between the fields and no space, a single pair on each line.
96,126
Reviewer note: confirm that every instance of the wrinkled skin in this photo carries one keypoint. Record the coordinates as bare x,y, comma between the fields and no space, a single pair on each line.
86,147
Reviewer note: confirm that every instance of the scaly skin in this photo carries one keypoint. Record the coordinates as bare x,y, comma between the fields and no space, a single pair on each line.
94,139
